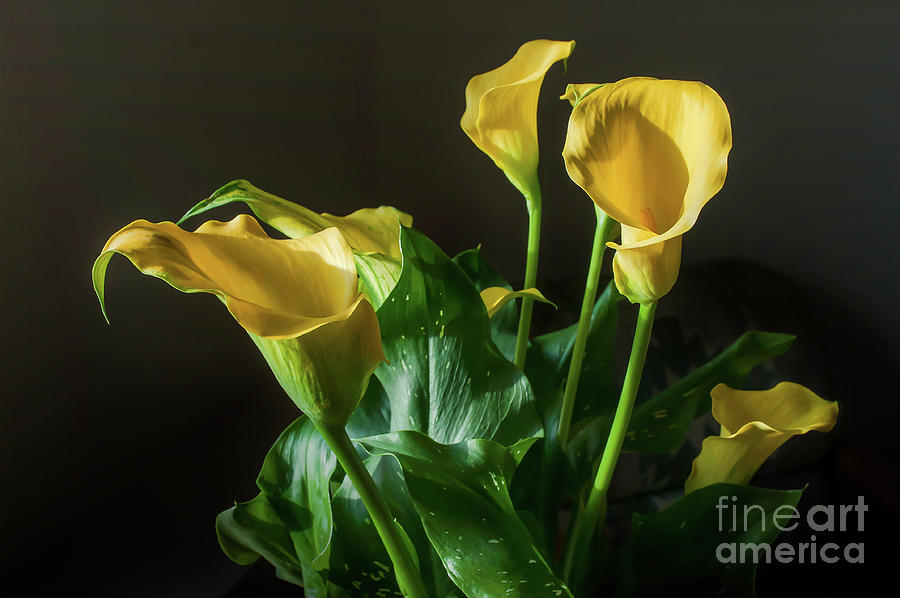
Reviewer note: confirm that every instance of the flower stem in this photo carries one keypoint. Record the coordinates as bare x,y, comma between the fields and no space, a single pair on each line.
601,233
587,518
407,573
533,200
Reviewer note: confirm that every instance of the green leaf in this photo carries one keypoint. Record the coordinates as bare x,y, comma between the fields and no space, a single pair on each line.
289,523
445,376
660,424
545,475
253,529
539,485
361,563
547,364
295,475
481,273
460,494
505,323
679,544
373,414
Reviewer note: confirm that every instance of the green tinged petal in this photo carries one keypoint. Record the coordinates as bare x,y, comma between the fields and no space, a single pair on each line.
378,274
326,371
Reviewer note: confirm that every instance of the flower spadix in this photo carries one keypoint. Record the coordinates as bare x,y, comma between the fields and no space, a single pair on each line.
297,298
650,153
754,424
501,110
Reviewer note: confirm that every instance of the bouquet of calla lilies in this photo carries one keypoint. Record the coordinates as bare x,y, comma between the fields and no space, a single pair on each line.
440,450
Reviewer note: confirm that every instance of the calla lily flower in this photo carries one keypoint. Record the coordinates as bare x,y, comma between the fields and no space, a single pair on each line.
754,424
496,297
372,233
650,153
298,300
501,110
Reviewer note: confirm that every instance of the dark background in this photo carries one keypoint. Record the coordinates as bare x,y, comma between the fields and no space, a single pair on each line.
118,445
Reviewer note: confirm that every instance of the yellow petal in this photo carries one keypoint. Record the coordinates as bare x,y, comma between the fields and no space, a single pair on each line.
575,92
496,297
788,407
644,274
373,233
762,421
367,230
275,288
372,230
650,152
501,109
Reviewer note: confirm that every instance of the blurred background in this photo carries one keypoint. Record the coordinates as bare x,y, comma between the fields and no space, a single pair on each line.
119,444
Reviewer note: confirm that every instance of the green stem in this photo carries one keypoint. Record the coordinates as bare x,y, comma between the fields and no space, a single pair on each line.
406,571
533,200
601,233
586,519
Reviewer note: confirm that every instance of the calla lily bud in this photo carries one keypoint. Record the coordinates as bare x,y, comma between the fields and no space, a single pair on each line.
496,297
501,110
754,424
650,153
297,298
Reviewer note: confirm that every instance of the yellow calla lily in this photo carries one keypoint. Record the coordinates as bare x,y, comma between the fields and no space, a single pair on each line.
369,230
297,298
754,424
650,153
496,297
373,233
501,110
